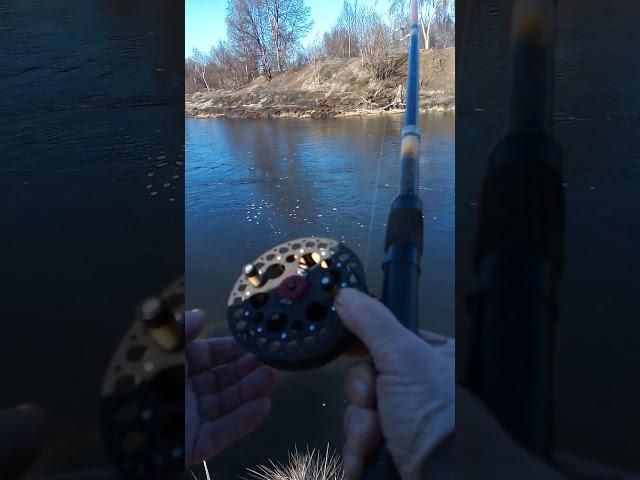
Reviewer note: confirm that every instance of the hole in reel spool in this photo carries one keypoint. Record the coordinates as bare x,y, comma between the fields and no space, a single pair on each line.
326,263
309,260
316,312
277,322
258,300
274,271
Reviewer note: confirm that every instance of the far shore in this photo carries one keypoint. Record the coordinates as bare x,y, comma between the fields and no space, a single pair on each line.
333,88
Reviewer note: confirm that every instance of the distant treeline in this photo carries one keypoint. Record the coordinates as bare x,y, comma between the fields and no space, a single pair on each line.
264,37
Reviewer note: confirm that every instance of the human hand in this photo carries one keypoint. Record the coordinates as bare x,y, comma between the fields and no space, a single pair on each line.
409,398
226,392
23,438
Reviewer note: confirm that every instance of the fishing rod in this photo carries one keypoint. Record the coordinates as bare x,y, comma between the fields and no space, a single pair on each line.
404,236
405,233
519,248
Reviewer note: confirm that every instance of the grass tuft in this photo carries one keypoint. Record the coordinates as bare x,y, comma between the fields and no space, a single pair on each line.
309,465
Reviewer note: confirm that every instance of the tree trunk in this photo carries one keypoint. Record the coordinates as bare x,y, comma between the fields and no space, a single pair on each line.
276,41
265,64
204,78
424,34
426,43
398,97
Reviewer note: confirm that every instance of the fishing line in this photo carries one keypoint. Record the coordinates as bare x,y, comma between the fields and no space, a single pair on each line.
375,193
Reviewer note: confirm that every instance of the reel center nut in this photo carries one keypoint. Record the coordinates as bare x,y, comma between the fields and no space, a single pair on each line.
293,287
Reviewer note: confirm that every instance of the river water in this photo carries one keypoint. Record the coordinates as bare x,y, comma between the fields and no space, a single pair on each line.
252,184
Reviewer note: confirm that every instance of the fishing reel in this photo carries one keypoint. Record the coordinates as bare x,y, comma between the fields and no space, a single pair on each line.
142,412
282,309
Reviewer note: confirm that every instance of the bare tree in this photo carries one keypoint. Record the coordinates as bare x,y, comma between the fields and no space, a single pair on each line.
248,28
361,31
230,70
190,76
223,67
200,62
348,22
289,22
436,15
336,42
376,39
314,54
430,9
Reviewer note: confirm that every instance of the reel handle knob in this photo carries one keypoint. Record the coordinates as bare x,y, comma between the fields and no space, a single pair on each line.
252,274
159,320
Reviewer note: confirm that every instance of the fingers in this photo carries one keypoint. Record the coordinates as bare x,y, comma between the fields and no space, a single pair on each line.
25,432
362,428
361,423
360,385
256,384
193,325
367,318
358,349
217,435
446,347
432,338
204,355
216,380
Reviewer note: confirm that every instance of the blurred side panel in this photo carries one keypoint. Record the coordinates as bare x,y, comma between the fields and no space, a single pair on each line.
92,195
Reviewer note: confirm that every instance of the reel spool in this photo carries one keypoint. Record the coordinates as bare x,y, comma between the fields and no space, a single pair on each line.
143,391
281,308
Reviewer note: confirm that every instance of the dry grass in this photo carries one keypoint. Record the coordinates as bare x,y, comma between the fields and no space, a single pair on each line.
310,465
206,472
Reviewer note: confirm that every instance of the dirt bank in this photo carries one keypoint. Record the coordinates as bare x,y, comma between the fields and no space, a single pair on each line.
331,88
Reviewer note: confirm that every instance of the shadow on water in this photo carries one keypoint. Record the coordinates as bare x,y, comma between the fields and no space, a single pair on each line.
253,184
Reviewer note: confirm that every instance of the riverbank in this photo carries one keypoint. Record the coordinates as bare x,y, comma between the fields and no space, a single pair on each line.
332,88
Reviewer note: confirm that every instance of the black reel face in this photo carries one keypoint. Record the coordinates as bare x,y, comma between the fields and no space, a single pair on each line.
143,391
282,310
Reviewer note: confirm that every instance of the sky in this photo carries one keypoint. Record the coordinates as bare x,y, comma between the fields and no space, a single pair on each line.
205,26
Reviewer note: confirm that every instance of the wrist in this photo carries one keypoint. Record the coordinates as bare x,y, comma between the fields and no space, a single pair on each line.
435,450
440,463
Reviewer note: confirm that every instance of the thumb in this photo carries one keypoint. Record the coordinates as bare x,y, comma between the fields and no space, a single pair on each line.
23,438
368,319
193,324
